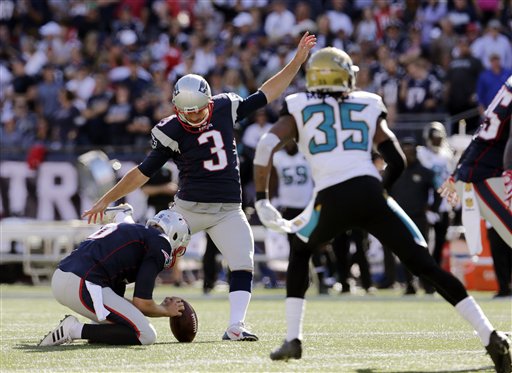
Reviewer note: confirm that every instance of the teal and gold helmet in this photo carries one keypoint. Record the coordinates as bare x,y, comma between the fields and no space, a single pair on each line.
330,70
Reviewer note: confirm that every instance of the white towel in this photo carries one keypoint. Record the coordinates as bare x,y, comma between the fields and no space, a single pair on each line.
471,219
97,300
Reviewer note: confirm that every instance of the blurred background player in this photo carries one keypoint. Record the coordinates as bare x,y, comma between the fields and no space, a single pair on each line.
413,191
200,139
437,156
336,128
92,279
292,188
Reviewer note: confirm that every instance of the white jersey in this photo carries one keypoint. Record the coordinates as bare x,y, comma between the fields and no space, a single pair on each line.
295,179
336,136
442,163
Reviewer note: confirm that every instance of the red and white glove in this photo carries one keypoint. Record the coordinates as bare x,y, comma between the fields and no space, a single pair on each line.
507,181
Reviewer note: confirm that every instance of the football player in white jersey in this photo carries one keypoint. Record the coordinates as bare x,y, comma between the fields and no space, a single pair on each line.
437,156
336,128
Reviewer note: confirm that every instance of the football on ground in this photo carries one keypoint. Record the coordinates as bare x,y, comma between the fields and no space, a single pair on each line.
184,327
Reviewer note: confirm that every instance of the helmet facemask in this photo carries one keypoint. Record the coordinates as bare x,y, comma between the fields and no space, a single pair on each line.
175,229
201,124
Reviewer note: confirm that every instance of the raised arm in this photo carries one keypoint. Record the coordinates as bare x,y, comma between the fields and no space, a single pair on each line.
276,85
132,180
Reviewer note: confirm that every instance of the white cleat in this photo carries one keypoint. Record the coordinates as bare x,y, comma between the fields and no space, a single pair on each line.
110,213
61,334
238,332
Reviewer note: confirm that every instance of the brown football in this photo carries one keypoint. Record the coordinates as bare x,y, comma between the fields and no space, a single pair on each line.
184,327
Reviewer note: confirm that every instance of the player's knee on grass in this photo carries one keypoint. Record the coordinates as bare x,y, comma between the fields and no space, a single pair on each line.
147,335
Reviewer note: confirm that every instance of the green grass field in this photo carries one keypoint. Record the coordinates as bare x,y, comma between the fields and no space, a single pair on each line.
381,333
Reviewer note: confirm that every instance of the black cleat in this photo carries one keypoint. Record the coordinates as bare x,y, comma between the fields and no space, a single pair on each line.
499,351
289,350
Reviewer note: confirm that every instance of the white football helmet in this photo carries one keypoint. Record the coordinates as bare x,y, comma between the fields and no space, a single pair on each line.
175,229
191,95
434,135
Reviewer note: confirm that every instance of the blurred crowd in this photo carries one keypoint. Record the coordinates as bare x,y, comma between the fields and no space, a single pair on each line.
84,73
95,73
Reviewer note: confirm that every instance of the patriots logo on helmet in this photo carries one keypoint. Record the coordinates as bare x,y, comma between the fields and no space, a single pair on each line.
203,87
168,261
176,90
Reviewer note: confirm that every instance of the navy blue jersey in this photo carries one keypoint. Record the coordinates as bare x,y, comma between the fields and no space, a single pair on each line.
483,158
119,254
207,161
419,91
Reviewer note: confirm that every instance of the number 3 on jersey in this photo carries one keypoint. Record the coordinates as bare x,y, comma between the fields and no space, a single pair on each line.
330,125
217,149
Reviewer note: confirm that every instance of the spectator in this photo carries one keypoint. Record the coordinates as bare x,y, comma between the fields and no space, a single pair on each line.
141,122
419,90
325,36
493,43
82,84
119,116
460,84
364,80
11,136
490,81
48,92
96,109
233,83
387,83
461,13
487,9
279,22
444,43
393,38
22,83
25,121
413,48
367,27
339,20
65,120
429,16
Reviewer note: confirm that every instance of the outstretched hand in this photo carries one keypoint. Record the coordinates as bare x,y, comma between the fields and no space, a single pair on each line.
97,209
307,42
447,190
